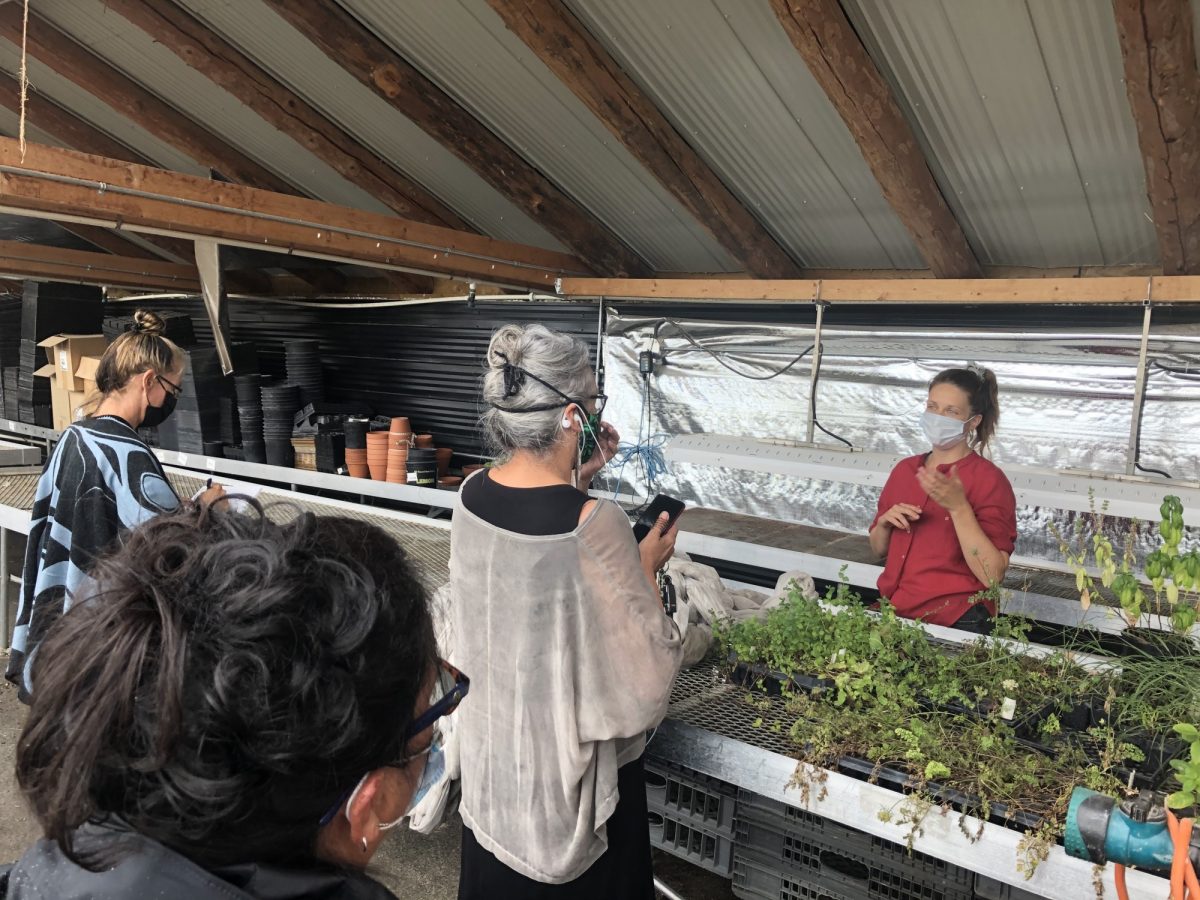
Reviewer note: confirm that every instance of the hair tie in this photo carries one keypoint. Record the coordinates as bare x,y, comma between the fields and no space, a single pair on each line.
514,376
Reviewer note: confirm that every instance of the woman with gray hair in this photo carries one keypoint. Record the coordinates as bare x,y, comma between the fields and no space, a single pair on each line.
558,610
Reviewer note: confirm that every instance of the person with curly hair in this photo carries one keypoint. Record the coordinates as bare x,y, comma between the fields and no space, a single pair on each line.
235,709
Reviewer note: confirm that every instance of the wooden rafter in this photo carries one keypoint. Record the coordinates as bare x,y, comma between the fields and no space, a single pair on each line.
215,58
1158,48
840,63
1116,289
18,258
36,261
88,71
361,53
76,133
591,73
53,183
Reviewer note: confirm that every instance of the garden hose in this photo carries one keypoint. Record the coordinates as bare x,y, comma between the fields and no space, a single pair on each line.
1140,831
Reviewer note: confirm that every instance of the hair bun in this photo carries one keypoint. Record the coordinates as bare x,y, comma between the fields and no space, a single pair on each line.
146,322
506,346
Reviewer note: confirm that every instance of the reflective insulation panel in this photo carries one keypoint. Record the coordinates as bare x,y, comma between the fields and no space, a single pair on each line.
1066,398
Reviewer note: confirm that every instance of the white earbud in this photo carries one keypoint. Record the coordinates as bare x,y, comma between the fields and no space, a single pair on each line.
566,422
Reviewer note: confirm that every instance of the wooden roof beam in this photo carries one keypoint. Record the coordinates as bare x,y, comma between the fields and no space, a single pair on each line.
1158,48
361,53
52,183
81,66
581,63
956,291
21,259
840,63
80,135
215,58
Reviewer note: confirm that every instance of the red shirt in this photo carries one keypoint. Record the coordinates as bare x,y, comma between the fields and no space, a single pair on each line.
927,576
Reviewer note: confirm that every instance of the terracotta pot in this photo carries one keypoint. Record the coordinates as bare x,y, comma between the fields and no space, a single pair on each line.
474,467
444,455
378,470
450,481
400,424
424,441
359,471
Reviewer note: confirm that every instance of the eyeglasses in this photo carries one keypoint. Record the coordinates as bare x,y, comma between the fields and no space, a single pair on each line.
169,386
601,402
459,685
456,685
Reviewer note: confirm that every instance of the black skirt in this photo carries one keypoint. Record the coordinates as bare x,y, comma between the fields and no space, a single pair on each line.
623,872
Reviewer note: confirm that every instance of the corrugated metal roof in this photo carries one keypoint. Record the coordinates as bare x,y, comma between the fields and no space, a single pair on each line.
727,76
70,96
279,48
1025,122
10,126
157,68
464,46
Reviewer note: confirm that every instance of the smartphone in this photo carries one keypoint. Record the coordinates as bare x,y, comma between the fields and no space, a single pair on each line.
661,504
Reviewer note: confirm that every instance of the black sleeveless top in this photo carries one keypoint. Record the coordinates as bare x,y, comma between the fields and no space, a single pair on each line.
553,509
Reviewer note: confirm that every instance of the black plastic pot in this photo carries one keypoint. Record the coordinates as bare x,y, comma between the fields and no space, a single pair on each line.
356,434
422,467
1075,721
1158,644
280,453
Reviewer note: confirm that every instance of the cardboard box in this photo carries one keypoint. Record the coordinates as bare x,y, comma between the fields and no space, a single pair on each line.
64,351
86,371
64,404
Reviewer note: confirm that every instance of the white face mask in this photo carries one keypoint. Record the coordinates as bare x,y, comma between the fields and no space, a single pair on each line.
435,768
943,432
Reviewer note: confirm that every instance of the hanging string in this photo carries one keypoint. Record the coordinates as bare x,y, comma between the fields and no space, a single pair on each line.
24,80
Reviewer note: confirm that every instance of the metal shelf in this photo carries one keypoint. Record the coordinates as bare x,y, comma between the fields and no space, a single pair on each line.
11,426
363,487
737,759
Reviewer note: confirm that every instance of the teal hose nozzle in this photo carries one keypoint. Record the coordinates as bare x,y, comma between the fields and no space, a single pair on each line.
1131,832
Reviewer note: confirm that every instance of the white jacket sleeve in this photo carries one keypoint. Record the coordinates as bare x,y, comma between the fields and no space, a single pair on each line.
626,650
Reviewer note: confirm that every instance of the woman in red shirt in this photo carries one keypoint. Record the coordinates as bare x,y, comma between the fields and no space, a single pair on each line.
947,519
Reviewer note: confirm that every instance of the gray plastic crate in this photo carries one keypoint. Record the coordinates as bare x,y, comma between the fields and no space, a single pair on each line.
991,889
754,878
685,838
763,809
707,802
849,861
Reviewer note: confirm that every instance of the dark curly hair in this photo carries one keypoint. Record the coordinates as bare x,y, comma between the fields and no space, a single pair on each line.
226,681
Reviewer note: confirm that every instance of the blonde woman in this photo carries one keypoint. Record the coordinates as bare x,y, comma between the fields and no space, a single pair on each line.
99,481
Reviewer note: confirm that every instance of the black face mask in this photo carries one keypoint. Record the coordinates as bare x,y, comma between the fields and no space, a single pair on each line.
156,415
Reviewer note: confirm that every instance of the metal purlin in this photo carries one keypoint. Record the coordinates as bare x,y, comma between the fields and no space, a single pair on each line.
815,368
1139,388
